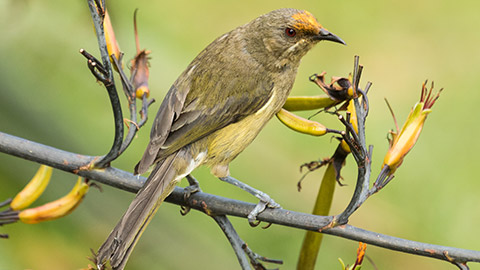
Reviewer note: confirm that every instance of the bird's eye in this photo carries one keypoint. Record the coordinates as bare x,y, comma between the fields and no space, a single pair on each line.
290,32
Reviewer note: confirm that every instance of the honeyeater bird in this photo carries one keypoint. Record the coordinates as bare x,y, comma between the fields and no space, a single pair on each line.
215,109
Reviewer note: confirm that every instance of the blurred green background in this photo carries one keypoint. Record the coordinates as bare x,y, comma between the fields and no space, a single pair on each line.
48,95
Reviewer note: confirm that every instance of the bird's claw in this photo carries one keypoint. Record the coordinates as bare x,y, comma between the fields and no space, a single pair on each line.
184,210
269,202
193,188
265,201
189,190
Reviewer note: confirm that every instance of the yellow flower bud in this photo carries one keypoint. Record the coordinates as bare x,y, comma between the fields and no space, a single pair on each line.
304,103
301,124
58,208
33,189
353,121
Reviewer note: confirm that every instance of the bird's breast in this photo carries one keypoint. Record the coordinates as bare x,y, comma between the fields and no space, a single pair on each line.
225,144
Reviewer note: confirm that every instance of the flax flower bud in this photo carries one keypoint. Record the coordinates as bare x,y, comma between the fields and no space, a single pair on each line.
403,142
140,67
33,189
58,208
339,89
112,44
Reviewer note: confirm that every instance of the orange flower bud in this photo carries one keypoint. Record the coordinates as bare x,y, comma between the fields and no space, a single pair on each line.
358,262
112,44
403,142
141,73
140,65
360,254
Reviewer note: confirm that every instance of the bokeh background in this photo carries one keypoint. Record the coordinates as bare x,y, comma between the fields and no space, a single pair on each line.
48,95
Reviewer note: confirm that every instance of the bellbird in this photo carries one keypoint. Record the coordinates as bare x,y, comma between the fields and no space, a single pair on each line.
215,109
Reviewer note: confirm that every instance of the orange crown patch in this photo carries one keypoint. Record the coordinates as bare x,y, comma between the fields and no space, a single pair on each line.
306,21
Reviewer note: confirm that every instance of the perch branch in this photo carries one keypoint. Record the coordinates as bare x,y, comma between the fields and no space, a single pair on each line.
201,201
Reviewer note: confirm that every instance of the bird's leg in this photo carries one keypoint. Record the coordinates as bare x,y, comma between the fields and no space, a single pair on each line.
192,188
265,200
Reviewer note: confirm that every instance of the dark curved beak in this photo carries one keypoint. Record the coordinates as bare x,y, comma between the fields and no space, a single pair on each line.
326,35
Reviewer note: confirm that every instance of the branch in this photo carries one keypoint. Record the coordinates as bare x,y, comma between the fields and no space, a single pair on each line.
241,249
205,202
69,162
357,144
98,13
104,73
234,240
132,105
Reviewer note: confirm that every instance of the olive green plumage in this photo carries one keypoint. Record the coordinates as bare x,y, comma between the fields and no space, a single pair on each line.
215,109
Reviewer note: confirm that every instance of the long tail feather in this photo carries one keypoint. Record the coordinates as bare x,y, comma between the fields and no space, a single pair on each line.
122,239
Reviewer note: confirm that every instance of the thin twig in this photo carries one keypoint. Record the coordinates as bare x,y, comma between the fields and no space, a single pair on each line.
144,111
255,258
95,60
127,85
6,202
223,222
234,240
393,115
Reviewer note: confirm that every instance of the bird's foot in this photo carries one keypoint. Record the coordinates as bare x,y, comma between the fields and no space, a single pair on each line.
192,188
265,200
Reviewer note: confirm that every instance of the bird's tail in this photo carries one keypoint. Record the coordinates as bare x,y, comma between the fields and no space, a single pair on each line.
122,239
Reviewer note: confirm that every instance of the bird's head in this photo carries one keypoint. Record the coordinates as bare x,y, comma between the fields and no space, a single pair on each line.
283,36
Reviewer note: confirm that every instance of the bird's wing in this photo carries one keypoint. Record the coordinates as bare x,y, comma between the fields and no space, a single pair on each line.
223,102
203,100
169,111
